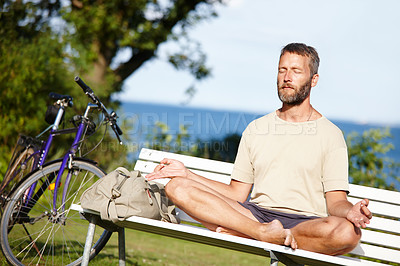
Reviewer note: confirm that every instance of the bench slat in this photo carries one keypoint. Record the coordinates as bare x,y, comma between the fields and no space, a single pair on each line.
375,252
189,161
385,224
380,208
375,194
377,238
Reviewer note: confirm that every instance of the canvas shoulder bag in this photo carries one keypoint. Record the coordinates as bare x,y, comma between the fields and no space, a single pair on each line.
123,193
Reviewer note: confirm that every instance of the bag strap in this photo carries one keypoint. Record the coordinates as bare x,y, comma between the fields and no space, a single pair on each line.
125,172
161,197
111,208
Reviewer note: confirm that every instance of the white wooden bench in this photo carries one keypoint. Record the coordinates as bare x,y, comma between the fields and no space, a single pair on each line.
380,241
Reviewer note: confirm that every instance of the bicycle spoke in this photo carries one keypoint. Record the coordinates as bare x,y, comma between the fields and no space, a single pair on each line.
31,244
47,240
30,238
68,240
79,190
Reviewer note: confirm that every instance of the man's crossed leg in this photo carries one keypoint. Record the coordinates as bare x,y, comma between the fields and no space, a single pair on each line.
330,235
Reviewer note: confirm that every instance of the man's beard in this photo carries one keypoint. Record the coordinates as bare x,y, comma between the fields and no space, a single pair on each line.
298,97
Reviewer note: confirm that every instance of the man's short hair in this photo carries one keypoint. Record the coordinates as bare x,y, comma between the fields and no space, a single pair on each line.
304,50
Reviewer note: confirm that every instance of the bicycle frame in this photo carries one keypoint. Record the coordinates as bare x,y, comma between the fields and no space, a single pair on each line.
67,159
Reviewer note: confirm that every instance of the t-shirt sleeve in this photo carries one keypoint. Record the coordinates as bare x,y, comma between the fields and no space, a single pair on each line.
335,168
243,167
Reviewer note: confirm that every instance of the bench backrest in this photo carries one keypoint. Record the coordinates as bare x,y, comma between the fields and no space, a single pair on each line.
381,239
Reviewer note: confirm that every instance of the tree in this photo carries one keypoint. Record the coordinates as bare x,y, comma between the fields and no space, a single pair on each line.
368,164
96,32
34,67
223,149
31,66
160,138
43,43
138,28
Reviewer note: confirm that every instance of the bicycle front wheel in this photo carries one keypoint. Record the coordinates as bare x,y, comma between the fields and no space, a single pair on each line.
32,233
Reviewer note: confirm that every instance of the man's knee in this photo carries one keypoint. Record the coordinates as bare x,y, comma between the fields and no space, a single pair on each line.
351,235
346,234
176,188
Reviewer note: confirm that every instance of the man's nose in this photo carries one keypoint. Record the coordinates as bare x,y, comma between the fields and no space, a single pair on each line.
288,76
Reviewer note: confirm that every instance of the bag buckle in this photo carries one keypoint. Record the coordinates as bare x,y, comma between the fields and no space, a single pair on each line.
115,193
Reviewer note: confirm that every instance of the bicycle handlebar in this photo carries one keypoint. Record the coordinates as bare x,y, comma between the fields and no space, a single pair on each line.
111,117
88,91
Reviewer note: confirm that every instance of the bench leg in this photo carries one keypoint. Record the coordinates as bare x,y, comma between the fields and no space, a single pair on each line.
279,257
121,246
89,241
274,262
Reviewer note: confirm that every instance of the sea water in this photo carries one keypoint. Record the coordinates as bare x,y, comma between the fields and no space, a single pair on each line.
205,124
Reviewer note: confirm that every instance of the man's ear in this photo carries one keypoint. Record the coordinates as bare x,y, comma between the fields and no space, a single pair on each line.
314,80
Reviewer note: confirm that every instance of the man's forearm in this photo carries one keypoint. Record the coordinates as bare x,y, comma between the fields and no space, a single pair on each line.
340,208
170,168
228,190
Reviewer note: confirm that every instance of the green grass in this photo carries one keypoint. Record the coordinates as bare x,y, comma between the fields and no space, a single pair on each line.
150,249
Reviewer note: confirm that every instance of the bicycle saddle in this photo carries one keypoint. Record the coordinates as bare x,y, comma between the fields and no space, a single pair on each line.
56,96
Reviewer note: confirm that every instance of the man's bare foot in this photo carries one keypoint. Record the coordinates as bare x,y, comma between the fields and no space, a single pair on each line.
231,232
274,233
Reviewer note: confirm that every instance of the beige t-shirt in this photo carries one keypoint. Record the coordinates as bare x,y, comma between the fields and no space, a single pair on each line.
292,165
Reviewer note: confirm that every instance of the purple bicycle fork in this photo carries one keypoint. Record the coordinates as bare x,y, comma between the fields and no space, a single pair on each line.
65,162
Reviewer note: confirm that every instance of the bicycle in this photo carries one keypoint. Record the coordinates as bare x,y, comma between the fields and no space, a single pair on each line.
31,152
37,226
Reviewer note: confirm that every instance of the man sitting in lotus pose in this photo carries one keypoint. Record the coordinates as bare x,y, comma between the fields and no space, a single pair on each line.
293,161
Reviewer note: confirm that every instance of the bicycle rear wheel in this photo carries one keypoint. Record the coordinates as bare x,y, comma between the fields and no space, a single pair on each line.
31,233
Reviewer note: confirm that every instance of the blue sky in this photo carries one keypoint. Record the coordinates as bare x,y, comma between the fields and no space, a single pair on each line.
357,40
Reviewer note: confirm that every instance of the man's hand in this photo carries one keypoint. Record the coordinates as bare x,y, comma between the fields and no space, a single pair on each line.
168,168
360,215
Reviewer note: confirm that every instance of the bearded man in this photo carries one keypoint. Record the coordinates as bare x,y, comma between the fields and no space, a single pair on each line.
294,163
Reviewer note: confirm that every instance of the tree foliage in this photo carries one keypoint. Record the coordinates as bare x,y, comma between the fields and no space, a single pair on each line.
44,44
223,149
137,28
368,163
31,66
159,138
